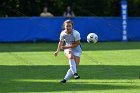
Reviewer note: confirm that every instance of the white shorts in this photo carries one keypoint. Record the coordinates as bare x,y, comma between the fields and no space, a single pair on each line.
75,53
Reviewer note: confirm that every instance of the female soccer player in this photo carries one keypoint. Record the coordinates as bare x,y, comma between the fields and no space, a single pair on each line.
72,49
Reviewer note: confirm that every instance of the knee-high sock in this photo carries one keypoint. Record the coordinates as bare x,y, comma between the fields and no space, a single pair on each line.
72,66
68,75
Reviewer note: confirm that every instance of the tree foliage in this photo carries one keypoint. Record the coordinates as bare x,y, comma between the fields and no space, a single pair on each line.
14,8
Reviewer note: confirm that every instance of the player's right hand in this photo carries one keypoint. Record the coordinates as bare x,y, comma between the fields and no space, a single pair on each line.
55,53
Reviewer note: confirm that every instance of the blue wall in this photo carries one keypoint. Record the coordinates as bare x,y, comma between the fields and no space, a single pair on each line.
36,28
134,29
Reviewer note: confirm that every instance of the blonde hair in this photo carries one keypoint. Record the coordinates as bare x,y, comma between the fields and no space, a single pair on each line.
68,21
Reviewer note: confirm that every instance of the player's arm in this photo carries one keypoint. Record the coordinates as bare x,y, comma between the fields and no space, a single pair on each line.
58,48
75,44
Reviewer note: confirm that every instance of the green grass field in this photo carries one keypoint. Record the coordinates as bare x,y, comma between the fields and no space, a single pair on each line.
106,67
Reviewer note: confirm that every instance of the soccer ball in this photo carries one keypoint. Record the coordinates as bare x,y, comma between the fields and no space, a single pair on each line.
92,38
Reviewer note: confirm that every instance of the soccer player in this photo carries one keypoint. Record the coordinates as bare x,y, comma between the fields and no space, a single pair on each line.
72,49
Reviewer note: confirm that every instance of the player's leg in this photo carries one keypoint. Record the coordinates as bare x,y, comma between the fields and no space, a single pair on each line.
72,62
77,54
67,76
77,60
72,70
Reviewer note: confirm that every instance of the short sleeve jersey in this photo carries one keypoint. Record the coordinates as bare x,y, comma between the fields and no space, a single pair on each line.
69,39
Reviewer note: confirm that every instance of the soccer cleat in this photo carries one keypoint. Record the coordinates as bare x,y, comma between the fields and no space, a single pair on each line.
63,81
76,76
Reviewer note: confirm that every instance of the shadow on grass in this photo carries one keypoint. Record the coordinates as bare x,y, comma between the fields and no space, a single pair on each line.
36,47
56,87
9,76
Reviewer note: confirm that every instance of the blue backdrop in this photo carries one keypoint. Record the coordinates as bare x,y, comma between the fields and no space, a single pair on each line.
37,28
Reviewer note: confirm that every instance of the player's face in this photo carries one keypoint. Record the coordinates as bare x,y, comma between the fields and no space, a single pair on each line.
68,27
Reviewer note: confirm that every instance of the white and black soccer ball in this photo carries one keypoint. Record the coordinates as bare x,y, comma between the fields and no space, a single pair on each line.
92,38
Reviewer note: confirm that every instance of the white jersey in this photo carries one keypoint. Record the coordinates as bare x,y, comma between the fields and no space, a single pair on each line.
69,39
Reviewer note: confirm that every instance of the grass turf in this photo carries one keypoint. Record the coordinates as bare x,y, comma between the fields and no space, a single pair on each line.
106,67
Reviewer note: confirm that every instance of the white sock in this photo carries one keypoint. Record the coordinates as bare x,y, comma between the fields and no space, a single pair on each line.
72,66
68,75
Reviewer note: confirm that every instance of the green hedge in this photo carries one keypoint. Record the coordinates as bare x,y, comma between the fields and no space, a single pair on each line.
57,7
